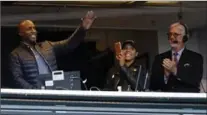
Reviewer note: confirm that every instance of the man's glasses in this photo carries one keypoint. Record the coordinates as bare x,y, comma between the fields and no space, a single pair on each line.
173,34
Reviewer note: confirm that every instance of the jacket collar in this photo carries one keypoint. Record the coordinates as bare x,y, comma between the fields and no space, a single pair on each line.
134,64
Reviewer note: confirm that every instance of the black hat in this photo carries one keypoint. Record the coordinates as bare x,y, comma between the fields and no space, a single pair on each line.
129,42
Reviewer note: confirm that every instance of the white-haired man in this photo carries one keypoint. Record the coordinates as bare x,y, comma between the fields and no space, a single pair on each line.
179,69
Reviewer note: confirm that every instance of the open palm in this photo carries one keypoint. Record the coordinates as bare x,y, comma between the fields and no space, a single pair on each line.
88,20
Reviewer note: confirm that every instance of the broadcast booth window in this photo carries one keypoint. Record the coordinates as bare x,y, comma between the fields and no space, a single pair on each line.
125,57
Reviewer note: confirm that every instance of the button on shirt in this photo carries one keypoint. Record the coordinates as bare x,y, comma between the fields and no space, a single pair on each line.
178,58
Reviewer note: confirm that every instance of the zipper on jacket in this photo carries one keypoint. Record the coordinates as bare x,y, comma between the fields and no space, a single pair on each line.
35,59
138,77
32,54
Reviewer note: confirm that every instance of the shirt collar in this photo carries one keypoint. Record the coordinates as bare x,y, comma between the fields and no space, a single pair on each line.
26,44
179,52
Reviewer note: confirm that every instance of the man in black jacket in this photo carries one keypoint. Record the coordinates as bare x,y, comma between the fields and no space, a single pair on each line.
30,59
129,75
179,69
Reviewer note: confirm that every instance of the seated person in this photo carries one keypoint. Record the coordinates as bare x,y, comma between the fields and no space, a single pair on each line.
128,73
179,69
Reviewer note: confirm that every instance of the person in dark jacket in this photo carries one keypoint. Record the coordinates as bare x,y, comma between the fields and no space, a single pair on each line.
30,59
178,69
129,75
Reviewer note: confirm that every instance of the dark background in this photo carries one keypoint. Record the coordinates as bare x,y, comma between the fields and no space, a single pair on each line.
92,63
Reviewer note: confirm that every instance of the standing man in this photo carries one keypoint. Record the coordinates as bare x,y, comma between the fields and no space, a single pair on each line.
30,59
179,69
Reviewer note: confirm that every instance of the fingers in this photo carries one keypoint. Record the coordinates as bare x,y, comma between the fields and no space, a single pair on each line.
167,61
122,52
90,15
121,55
166,66
118,57
169,65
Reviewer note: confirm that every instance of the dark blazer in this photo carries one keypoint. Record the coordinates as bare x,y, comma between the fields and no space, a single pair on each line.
23,64
189,73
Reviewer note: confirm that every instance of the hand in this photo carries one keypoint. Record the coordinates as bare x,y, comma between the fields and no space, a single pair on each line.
166,73
170,66
88,20
121,58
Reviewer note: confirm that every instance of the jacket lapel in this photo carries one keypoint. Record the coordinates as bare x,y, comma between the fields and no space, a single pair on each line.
182,59
168,55
170,80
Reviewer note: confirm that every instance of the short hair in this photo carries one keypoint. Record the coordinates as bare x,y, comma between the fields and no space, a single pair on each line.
178,24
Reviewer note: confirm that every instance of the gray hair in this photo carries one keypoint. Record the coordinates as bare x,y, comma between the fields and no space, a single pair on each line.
178,25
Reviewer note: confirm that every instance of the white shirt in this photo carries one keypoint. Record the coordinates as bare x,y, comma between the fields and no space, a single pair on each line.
179,54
